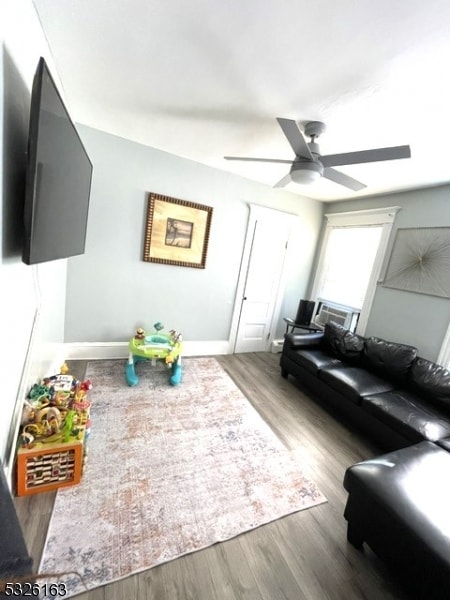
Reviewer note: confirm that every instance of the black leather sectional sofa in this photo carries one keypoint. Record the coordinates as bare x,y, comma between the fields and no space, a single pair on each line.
382,387
398,502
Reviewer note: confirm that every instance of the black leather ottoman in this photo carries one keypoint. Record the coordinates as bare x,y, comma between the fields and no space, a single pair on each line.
399,504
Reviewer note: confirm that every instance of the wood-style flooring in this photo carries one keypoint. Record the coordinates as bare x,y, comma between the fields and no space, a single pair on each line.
301,556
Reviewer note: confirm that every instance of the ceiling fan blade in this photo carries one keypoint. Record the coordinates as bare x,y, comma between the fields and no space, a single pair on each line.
364,156
272,160
295,138
284,181
343,179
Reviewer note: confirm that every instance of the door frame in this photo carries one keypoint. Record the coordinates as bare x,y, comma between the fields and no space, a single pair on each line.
258,213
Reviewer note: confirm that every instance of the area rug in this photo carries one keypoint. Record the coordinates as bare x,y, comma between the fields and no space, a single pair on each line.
170,470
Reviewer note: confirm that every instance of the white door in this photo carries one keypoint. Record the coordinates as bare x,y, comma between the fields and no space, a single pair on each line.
262,284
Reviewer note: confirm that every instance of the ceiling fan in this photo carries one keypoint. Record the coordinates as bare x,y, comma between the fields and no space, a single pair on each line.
308,165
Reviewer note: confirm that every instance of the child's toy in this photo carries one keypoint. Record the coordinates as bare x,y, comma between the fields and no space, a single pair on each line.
52,442
158,346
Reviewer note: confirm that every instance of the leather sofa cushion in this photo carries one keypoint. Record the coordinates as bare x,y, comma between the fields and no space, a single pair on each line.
445,443
343,343
404,412
392,359
314,360
432,380
354,382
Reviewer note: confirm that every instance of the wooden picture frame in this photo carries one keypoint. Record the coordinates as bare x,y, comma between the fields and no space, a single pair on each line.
176,232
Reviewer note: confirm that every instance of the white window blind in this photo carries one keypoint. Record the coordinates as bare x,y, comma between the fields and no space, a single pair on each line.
348,262
444,355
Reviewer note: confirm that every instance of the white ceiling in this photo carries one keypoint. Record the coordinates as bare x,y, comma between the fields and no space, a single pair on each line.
206,78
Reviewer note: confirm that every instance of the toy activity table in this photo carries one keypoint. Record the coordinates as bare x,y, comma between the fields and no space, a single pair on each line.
55,425
157,346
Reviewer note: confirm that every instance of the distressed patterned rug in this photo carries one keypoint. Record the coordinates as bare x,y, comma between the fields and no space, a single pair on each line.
170,470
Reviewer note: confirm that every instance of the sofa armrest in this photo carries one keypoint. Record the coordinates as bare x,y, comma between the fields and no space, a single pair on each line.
303,340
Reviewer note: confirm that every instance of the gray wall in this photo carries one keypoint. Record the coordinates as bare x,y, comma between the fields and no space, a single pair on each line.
32,308
398,315
111,290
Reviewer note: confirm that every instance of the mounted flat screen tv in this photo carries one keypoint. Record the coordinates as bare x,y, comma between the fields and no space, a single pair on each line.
58,178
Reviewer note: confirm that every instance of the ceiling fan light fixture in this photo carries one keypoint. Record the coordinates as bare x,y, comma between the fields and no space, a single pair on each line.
309,165
306,173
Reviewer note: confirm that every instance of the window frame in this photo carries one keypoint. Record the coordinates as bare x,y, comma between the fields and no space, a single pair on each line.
444,354
377,216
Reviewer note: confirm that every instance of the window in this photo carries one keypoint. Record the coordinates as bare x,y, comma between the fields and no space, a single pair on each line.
348,261
444,354
351,258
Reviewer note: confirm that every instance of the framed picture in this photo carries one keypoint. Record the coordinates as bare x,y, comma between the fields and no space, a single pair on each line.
176,232
420,261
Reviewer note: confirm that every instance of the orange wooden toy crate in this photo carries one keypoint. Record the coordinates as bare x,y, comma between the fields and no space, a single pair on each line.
46,467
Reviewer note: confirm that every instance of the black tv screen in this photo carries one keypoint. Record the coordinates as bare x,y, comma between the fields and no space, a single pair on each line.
58,179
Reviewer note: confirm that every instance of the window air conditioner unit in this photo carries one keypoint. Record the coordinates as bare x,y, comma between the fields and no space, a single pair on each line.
342,315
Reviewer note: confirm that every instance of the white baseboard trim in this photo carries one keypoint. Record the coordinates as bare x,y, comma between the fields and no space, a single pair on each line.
102,350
